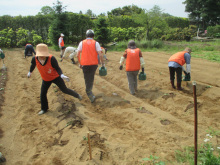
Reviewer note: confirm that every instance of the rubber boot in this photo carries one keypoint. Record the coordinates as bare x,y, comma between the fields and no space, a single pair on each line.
179,86
172,83
73,62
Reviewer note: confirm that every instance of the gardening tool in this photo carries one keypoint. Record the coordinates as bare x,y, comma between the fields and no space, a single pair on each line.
2,56
187,76
102,71
142,76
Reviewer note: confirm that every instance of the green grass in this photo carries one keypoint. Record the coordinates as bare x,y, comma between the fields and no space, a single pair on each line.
205,50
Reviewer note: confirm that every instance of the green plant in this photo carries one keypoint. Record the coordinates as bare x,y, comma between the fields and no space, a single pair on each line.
154,160
208,153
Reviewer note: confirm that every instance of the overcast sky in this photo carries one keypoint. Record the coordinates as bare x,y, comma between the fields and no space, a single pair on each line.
32,7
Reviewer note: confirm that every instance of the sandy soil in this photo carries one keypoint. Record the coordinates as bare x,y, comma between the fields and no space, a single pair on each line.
123,128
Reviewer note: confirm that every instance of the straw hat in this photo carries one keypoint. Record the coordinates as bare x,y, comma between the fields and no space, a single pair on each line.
42,50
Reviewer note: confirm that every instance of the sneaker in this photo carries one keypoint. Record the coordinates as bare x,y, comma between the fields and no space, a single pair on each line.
80,97
92,98
42,112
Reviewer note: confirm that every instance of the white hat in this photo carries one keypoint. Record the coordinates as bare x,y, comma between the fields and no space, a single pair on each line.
62,35
42,50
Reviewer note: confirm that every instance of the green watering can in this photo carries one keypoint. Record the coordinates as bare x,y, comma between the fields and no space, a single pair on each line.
142,76
2,55
187,77
102,71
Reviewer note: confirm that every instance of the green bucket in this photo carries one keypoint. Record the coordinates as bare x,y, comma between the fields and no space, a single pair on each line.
102,71
142,76
2,55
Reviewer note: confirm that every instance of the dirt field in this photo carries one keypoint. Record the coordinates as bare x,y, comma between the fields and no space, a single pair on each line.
123,128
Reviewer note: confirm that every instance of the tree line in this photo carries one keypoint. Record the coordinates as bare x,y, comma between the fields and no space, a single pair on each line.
120,24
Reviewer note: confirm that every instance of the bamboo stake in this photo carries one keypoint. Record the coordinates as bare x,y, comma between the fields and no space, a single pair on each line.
195,123
90,150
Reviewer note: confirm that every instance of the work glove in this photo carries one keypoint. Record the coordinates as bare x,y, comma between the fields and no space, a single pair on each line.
143,70
103,65
121,67
64,77
29,74
80,66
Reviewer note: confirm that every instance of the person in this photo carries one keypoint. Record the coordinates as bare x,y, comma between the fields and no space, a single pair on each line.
88,50
72,51
29,50
61,44
50,72
175,64
134,61
104,51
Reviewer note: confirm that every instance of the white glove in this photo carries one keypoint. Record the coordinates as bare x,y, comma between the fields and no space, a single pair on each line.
103,64
29,74
64,77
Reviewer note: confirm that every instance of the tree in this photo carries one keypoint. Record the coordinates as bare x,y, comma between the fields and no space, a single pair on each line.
46,10
206,12
126,10
58,25
102,33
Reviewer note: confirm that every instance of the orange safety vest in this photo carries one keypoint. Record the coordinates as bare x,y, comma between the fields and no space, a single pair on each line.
47,72
62,42
133,60
178,58
89,53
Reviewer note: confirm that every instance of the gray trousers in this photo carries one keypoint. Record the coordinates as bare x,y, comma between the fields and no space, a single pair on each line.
132,81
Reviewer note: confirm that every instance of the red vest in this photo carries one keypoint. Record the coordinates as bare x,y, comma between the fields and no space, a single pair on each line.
178,58
47,72
133,60
89,53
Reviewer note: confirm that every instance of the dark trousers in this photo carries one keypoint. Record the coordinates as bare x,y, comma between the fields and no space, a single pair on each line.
45,86
89,75
178,74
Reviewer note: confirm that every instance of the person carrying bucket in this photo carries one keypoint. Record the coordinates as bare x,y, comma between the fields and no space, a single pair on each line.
50,72
87,54
134,61
175,64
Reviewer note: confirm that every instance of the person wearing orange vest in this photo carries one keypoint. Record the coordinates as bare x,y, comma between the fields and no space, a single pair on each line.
61,44
87,54
134,62
50,72
29,50
175,64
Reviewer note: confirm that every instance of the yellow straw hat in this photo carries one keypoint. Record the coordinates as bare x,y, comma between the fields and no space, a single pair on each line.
42,50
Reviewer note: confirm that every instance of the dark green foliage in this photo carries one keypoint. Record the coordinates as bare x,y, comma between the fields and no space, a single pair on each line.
177,22
204,13
102,33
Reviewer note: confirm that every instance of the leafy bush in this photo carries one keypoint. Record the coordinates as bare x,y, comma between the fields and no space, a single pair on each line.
213,31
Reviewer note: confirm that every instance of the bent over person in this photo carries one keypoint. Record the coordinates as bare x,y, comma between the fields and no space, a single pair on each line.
29,50
175,64
50,72
134,61
72,51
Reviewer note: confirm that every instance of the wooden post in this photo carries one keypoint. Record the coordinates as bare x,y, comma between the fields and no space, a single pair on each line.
90,150
195,123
